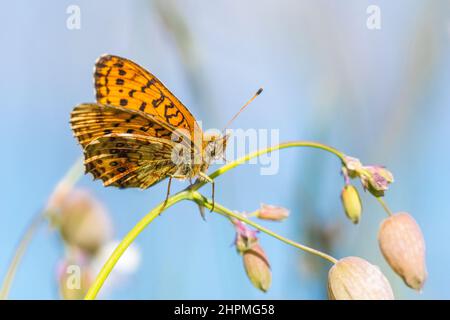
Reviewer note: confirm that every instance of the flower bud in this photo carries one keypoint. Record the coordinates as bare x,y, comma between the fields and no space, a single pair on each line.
83,221
351,202
57,197
402,244
353,278
245,237
257,267
255,260
376,179
268,212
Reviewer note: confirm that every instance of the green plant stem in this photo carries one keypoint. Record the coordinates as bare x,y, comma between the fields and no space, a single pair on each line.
128,240
252,214
199,199
19,253
69,179
203,201
384,205
187,194
294,144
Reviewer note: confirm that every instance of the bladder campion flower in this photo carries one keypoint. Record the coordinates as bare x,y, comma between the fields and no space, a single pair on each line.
374,178
351,203
402,244
353,278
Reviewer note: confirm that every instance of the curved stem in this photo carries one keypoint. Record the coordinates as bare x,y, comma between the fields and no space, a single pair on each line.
67,182
384,205
252,214
19,253
188,194
201,200
285,145
128,239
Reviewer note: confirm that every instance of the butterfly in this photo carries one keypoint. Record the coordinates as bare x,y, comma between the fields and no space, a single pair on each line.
138,133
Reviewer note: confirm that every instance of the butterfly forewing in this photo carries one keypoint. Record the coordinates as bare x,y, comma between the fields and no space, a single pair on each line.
121,82
91,121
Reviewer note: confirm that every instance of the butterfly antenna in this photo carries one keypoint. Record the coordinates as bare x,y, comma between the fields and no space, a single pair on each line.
243,107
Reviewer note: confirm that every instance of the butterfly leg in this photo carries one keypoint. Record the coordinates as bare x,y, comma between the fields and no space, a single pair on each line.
167,195
208,179
200,208
212,195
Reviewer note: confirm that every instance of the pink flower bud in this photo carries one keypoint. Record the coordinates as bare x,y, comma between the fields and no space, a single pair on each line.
402,244
257,267
353,278
268,212
245,237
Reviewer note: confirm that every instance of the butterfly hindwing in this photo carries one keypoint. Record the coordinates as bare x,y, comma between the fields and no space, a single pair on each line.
129,160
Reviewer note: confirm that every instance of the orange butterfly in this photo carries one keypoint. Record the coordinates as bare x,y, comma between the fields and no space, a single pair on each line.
138,132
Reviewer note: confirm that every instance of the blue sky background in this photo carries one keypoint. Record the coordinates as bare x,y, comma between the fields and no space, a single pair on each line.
379,95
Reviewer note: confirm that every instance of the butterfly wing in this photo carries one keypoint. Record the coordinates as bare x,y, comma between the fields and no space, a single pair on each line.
123,147
121,82
90,121
129,160
127,136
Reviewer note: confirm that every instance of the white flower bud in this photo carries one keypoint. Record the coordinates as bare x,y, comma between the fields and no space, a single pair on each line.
353,278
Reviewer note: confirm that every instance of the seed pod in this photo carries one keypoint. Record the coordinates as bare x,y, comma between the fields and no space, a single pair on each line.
351,203
402,244
353,278
257,267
